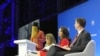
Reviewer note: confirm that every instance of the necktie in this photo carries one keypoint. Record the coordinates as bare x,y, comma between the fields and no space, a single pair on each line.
75,39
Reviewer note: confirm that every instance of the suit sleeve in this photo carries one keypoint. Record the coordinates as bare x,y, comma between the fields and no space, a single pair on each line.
83,42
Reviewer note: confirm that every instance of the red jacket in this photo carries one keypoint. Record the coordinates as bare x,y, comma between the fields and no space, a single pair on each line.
39,40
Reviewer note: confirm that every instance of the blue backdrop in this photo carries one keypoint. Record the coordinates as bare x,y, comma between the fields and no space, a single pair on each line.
89,10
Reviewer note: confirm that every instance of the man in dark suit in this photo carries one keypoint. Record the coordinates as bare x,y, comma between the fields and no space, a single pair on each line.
79,43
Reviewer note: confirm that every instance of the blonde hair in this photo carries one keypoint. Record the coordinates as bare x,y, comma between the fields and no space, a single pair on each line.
34,31
51,38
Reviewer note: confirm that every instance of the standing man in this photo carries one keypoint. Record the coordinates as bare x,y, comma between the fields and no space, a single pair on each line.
79,43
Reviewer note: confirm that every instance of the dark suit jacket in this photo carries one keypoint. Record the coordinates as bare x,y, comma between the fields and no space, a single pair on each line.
81,42
78,46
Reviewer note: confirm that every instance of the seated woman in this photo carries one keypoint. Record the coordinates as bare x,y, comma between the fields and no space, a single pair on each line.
63,33
37,36
50,41
64,39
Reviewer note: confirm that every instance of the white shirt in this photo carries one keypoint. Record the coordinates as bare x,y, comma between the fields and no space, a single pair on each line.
79,32
48,47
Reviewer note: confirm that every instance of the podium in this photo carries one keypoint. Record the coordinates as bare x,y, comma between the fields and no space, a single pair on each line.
24,46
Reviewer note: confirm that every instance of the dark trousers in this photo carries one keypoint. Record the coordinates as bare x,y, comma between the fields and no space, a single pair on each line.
56,51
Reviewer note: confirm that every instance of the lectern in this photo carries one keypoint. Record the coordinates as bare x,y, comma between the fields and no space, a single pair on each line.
25,45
